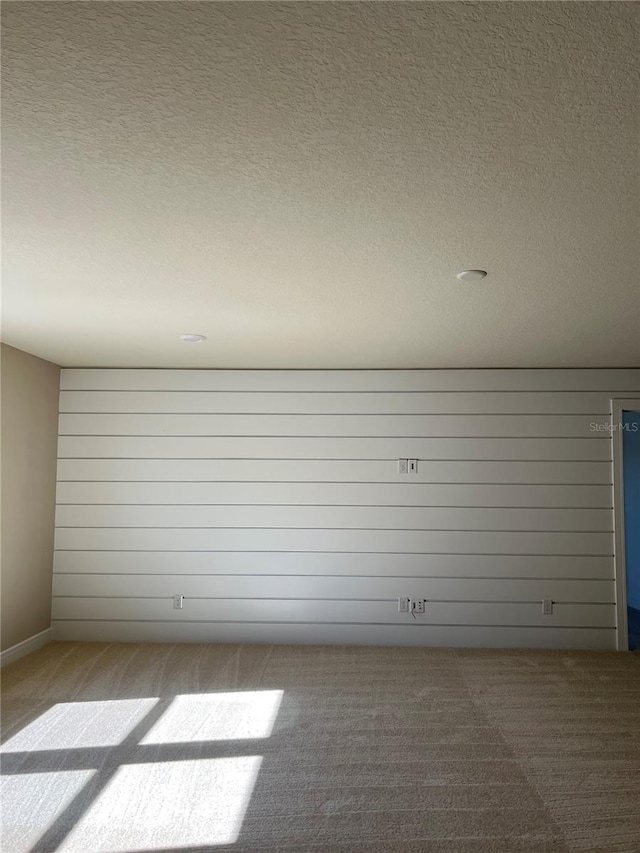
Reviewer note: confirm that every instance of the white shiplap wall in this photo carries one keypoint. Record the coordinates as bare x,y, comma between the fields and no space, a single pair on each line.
271,501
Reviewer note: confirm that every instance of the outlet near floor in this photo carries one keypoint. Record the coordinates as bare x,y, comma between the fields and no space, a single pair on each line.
412,605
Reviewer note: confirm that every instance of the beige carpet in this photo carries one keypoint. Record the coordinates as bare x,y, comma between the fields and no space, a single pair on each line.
120,748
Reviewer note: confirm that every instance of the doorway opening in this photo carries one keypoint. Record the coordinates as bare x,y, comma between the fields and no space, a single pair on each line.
626,455
631,483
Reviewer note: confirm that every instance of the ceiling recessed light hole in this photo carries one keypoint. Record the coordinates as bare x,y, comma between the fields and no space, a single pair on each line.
472,275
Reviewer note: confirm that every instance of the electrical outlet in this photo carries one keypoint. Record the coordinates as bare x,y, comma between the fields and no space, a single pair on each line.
547,607
418,605
413,466
178,601
403,605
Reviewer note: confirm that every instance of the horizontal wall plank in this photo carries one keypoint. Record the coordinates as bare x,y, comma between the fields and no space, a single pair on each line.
333,564
336,470
382,518
341,494
92,379
327,403
458,636
190,447
378,612
400,541
319,587
380,426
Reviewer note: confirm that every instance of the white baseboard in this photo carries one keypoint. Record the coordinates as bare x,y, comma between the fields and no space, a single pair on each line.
472,636
26,647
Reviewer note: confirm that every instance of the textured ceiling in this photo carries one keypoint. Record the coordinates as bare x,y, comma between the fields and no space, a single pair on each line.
300,182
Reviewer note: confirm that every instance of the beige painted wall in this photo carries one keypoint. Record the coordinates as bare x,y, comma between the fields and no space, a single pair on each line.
29,400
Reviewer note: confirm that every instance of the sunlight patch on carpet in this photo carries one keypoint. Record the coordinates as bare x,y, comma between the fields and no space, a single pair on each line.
217,716
31,802
74,725
177,803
